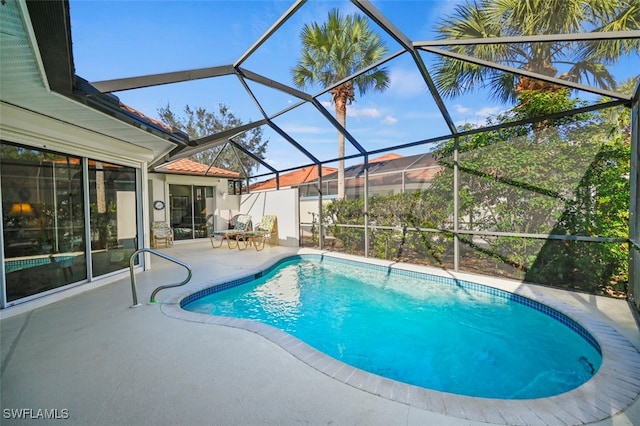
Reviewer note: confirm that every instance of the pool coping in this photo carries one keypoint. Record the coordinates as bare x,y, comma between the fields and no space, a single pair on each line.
614,387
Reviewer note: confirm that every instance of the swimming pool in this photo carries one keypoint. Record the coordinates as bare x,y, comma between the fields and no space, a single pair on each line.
435,332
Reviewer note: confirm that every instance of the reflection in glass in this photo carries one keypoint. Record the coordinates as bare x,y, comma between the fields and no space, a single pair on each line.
112,205
43,222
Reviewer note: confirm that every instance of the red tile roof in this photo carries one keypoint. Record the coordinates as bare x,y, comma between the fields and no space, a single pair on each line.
308,174
386,157
146,117
414,176
296,177
190,167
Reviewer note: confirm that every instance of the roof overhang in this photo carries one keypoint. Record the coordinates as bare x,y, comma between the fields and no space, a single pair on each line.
37,79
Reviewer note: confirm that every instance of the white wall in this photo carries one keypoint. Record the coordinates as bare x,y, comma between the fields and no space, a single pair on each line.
157,192
309,205
226,208
283,204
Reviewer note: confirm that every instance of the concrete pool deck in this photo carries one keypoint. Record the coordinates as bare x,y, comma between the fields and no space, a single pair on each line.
93,358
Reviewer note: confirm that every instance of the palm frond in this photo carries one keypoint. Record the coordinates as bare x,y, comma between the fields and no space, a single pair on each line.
337,48
592,72
495,18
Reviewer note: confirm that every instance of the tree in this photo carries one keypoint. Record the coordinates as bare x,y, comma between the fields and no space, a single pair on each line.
581,61
198,123
565,178
601,208
331,52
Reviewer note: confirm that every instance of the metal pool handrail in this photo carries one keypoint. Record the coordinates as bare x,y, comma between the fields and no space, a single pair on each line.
162,287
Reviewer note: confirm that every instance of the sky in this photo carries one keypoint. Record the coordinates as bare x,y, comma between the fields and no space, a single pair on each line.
123,38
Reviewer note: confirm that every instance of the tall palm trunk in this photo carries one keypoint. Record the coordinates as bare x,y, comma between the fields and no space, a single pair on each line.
341,115
531,84
341,98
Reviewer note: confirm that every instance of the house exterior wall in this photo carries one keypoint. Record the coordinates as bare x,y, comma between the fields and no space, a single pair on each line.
29,129
309,207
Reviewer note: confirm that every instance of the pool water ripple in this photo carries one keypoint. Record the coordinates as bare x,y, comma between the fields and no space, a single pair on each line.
422,332
613,389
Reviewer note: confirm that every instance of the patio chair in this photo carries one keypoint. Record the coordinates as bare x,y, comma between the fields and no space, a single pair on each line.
266,230
161,233
242,224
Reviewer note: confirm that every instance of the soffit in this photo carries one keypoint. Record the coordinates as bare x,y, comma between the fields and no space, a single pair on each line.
23,84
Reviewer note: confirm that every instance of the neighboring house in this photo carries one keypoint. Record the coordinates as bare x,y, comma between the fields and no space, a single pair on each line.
306,180
292,179
389,174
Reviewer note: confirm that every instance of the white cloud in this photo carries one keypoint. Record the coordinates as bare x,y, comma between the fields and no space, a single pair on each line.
477,117
462,109
471,114
354,111
487,111
406,83
389,120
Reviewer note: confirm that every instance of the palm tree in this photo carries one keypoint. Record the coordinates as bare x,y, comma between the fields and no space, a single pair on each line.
333,51
583,61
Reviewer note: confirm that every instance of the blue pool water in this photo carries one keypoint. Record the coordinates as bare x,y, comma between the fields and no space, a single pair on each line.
438,333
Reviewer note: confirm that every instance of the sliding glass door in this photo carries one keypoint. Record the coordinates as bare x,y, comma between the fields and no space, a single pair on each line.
43,220
112,207
188,213
45,200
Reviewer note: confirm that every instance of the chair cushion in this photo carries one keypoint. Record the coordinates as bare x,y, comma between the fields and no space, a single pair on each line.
243,223
267,223
162,233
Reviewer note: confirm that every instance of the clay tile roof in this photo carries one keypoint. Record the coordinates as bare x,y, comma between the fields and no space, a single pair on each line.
424,174
296,177
141,115
190,167
387,157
